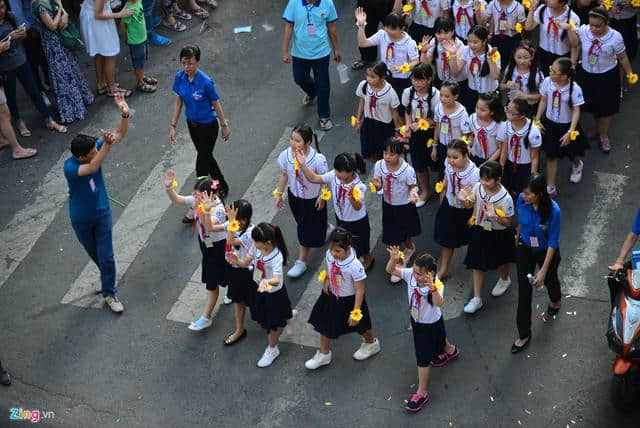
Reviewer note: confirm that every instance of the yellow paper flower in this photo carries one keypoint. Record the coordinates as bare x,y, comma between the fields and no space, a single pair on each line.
357,194
496,56
234,226
275,193
296,165
448,54
632,77
500,213
466,139
635,3
401,255
537,122
356,315
423,124
326,194
201,208
404,68
519,27
439,285
482,6
354,121
174,183
439,187
472,220
372,187
402,130
526,3
407,8
430,143
322,276
608,4
572,24
574,135
420,45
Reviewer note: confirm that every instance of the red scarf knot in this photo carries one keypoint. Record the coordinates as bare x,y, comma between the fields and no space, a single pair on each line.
482,138
425,6
514,145
388,179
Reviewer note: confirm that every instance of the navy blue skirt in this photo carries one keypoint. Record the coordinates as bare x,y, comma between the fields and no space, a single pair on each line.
214,265
399,223
601,91
312,223
271,310
429,340
420,154
242,288
330,316
516,180
488,250
505,45
438,164
551,140
361,232
373,133
451,226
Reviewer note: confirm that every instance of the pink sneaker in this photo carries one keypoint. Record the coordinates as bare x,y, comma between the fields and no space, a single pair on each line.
605,146
444,358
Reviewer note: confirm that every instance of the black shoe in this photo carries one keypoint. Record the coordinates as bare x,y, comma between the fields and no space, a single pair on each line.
516,349
552,312
5,379
187,220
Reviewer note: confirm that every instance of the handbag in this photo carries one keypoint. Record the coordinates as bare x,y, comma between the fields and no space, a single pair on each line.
69,36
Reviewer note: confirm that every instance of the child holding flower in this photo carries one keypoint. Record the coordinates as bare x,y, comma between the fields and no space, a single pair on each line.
425,292
341,308
307,206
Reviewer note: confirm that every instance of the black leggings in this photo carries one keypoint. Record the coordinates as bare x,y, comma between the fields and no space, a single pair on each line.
204,136
527,260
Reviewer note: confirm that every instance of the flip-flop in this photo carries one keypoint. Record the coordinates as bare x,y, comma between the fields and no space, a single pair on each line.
177,26
32,153
182,15
145,87
24,132
62,129
200,13
125,93
150,80
228,341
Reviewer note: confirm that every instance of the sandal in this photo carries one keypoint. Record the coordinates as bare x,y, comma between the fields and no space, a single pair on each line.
23,130
26,154
125,92
177,26
325,124
56,127
228,341
145,87
182,15
211,3
150,80
307,100
358,64
102,91
200,13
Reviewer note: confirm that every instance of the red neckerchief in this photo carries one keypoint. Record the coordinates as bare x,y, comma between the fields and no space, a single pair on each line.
482,138
390,51
514,145
261,268
417,297
342,193
425,6
476,61
299,178
372,104
452,180
462,10
503,17
420,107
333,278
519,81
198,220
388,179
595,47
556,95
552,26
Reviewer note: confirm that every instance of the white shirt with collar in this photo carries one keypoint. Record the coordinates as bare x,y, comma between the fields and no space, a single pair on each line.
395,183
246,247
219,216
515,142
490,132
522,80
443,69
385,100
464,17
298,183
604,50
272,264
404,50
551,39
473,65
501,200
340,195
508,16
345,272
456,123
558,109
418,298
457,180
428,18
427,110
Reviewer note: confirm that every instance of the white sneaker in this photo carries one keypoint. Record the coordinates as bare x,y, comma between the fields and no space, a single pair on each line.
330,228
270,354
298,268
200,324
114,304
227,301
576,172
501,287
420,203
474,304
380,192
367,350
395,279
318,360
46,100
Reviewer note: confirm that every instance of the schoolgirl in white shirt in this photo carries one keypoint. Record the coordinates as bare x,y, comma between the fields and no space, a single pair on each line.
426,293
492,244
397,48
424,16
521,143
341,307
481,62
307,207
451,228
420,101
348,194
603,52
485,124
452,122
559,114
397,179
271,307
434,53
554,42
209,221
378,115
504,16
466,15
522,77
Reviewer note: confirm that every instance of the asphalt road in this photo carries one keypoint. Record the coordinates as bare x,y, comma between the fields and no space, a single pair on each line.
145,369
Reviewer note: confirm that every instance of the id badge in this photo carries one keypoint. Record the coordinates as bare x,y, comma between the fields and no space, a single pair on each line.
415,313
593,59
257,275
534,241
373,113
92,185
416,114
311,29
556,103
502,25
487,225
444,128
208,242
475,70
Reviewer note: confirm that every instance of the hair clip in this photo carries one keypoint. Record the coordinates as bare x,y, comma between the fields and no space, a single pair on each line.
401,139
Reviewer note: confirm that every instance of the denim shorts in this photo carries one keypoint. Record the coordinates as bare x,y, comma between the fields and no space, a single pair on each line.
139,54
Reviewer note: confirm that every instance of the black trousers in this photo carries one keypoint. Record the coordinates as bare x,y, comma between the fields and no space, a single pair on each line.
376,11
204,136
36,58
527,260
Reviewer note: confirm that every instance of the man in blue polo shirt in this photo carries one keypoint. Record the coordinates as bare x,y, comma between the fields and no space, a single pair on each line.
312,26
89,207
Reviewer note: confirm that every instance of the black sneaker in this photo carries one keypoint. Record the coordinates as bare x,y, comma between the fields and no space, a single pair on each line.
416,402
5,379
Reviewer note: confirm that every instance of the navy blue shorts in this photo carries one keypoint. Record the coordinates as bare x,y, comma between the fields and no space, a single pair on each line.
139,55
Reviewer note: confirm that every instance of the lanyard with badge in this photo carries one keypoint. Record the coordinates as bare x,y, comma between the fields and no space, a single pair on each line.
259,273
311,29
594,51
414,305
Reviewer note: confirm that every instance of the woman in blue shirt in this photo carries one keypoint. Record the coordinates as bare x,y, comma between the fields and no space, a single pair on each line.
538,240
196,91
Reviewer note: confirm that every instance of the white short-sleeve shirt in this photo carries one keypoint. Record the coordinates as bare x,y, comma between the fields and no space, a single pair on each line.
501,200
599,55
473,64
457,180
452,125
218,214
418,298
522,80
378,104
247,246
394,54
551,35
516,150
464,16
505,18
426,14
340,195
420,106
270,265
342,274
298,183
443,62
485,143
395,184
558,109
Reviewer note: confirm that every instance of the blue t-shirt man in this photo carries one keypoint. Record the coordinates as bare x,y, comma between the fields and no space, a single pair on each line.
310,20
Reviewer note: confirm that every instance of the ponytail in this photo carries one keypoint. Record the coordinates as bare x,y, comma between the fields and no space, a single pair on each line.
266,232
537,183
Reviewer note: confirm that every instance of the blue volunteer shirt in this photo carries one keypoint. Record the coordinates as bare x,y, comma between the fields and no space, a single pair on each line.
310,35
87,195
197,96
636,224
548,234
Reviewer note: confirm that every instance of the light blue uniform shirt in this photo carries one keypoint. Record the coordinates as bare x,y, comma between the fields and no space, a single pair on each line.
310,35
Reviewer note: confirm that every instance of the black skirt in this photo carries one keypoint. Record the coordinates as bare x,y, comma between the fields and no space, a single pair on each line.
505,45
242,288
373,133
551,140
601,91
429,340
420,154
516,180
271,310
418,31
470,100
361,232
477,160
330,316
312,223
399,223
438,164
488,250
214,265
451,226
627,28
399,84
546,59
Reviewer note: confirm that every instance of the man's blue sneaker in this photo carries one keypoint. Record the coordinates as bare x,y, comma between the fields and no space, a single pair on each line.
158,40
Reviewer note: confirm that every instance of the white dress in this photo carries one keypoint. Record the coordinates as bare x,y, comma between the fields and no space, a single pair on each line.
100,35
